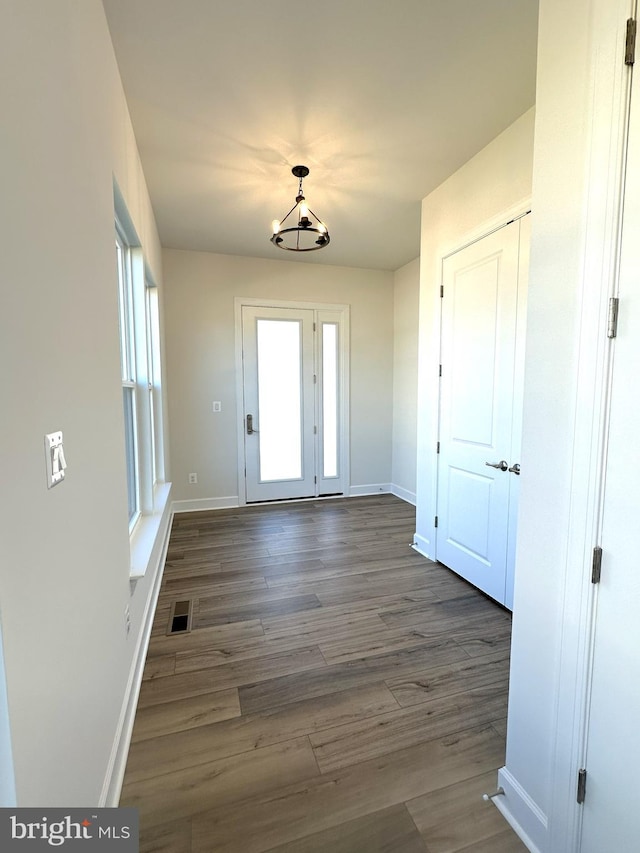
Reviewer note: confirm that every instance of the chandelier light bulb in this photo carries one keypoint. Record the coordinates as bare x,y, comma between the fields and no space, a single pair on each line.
275,226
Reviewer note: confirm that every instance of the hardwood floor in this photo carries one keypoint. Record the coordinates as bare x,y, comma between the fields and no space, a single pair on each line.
337,692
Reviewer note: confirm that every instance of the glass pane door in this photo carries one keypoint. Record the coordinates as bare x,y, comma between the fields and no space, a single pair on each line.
279,403
280,399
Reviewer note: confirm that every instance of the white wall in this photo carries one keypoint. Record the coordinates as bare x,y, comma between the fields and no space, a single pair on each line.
406,296
496,180
64,574
200,292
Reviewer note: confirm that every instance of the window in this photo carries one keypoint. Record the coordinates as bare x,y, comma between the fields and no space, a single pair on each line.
154,382
128,372
140,374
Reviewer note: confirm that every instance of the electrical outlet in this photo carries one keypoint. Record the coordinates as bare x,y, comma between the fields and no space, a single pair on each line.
193,479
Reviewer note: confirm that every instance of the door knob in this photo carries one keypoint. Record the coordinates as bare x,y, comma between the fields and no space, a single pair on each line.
515,469
503,465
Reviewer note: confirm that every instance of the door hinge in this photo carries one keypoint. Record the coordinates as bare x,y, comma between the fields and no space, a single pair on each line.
630,45
315,379
612,324
315,430
438,447
582,785
315,480
441,291
435,521
314,327
439,370
596,565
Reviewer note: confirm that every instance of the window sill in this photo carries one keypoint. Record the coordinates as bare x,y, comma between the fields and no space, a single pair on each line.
149,534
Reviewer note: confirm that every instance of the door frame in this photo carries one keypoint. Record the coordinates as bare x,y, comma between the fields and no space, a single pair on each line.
343,313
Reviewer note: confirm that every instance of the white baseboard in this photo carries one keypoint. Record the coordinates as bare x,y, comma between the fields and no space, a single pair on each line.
201,504
110,795
423,546
524,816
403,494
370,489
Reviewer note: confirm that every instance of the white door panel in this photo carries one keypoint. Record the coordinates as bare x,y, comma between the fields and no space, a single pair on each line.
279,400
479,326
611,817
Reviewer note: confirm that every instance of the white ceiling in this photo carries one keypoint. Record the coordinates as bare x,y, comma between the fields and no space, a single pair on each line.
382,100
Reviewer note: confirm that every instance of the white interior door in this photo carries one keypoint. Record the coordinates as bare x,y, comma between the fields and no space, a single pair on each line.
279,403
478,357
611,816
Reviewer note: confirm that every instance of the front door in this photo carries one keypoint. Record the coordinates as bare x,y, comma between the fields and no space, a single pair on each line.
478,471
279,406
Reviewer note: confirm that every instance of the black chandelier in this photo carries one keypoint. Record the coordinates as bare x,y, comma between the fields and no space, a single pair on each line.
305,235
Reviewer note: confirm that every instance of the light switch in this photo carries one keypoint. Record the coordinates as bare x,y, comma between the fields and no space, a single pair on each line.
217,406
54,458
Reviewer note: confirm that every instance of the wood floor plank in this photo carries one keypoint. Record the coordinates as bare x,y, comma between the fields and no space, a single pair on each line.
172,837
504,842
185,714
213,615
375,642
501,726
192,582
452,818
158,666
285,565
242,734
305,685
172,796
376,584
259,823
326,570
398,729
209,550
253,671
326,625
206,654
353,587
478,639
204,638
388,831
450,679
293,623
451,613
